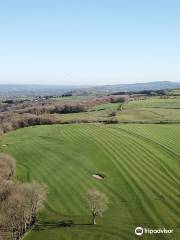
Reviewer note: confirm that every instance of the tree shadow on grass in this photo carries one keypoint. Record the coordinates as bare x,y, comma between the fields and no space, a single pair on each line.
58,224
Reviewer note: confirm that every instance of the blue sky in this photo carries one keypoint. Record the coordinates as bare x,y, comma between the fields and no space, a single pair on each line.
89,41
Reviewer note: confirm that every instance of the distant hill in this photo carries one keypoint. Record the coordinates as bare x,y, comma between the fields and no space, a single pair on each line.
33,90
139,86
23,90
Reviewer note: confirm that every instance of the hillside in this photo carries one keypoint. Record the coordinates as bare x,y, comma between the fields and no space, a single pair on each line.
139,86
27,90
141,167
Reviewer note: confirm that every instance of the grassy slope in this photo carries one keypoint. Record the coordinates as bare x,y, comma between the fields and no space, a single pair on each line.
142,167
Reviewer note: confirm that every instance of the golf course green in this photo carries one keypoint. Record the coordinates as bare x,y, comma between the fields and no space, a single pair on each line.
140,163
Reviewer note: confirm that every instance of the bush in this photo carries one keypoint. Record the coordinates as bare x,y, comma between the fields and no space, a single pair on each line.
120,99
113,114
69,108
7,167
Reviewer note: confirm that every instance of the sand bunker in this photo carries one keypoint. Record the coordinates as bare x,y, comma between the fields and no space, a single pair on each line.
97,176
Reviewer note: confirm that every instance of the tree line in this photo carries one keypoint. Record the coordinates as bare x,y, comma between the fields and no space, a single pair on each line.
19,202
19,115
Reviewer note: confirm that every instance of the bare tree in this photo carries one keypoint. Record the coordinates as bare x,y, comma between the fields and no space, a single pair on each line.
14,212
19,205
7,167
36,194
5,190
113,114
97,203
19,202
122,99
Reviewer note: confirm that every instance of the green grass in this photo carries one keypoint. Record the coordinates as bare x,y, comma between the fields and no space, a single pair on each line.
141,164
156,102
175,92
73,98
149,110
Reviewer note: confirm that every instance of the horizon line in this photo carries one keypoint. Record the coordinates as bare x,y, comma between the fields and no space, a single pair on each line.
87,85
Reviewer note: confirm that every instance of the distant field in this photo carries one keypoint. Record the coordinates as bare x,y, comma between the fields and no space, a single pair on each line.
151,109
175,92
73,98
141,164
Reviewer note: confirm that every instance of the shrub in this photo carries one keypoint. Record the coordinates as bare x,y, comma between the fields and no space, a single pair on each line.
120,99
113,114
7,167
